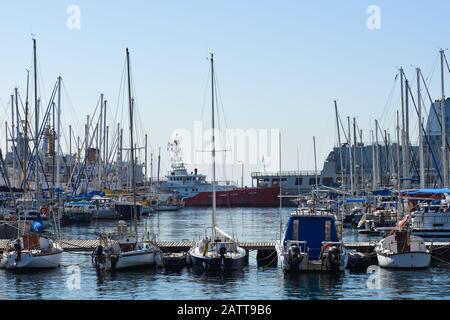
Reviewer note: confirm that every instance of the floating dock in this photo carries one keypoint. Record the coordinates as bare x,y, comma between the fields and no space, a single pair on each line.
265,249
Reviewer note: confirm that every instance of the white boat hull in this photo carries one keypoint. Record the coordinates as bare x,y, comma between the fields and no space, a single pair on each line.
409,260
29,260
132,259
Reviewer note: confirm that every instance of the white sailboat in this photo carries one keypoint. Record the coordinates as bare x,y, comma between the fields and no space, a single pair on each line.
125,250
220,251
32,250
402,250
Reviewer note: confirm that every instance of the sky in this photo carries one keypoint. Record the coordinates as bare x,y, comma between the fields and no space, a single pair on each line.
280,64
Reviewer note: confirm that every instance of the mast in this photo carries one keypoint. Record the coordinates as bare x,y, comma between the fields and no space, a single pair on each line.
58,135
159,163
315,164
70,139
444,124
213,153
133,178
421,156
350,156
404,168
13,129
279,182
36,118
398,150
377,155
99,143
374,170
145,159
407,130
151,172
16,93
25,143
355,142
340,144
105,151
361,148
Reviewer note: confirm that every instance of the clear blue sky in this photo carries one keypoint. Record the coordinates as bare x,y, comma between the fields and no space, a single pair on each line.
280,63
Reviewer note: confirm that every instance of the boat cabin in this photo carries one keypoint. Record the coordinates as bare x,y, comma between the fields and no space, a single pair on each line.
310,232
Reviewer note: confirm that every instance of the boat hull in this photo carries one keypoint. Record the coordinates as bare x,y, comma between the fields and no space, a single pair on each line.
29,260
105,214
409,260
307,266
84,217
126,211
246,197
218,264
133,259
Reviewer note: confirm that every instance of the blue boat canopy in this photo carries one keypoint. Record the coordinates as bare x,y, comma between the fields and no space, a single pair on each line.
426,191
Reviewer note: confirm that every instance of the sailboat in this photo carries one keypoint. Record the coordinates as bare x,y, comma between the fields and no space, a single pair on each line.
32,249
220,251
124,249
401,250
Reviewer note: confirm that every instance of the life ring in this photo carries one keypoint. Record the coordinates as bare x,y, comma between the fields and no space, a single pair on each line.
43,211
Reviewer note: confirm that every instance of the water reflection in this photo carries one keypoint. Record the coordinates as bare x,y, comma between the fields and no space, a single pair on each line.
312,285
250,283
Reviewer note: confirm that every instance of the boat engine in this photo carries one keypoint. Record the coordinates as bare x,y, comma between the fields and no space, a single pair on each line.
334,258
98,256
222,252
295,257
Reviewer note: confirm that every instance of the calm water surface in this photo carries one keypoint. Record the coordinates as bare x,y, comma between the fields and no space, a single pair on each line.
251,283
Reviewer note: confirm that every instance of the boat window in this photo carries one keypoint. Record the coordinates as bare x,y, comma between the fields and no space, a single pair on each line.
298,181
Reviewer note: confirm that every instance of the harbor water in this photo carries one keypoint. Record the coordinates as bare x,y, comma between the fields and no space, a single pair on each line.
78,279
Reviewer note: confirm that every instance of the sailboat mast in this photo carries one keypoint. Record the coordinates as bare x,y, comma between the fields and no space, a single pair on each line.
340,144
58,136
315,164
133,178
443,121
36,117
213,153
25,143
421,156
